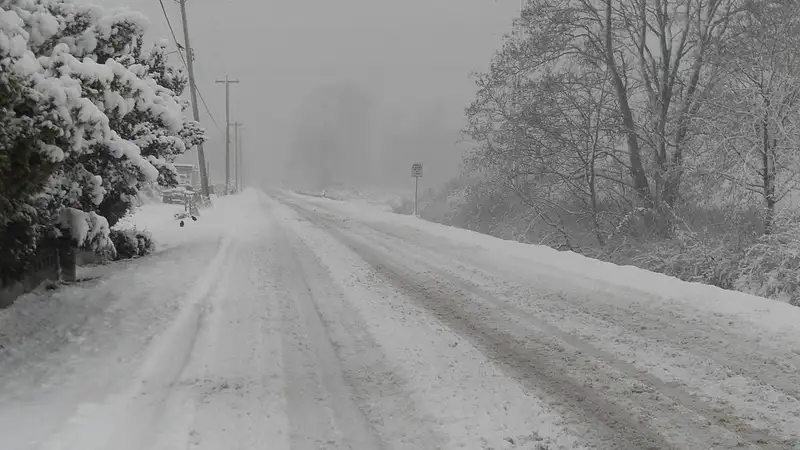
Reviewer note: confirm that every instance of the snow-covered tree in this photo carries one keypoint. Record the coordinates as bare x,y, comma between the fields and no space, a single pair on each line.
44,121
87,119
753,129
124,82
154,137
658,59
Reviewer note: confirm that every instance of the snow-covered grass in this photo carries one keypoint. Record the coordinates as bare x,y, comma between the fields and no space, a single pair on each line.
761,312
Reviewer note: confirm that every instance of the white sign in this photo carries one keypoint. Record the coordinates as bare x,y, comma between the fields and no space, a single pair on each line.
416,170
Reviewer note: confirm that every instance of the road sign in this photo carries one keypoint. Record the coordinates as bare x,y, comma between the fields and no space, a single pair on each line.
416,170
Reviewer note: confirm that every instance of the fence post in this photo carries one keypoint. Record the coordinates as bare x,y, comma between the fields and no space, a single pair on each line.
67,261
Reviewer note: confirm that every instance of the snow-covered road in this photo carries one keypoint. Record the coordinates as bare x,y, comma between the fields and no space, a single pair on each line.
299,323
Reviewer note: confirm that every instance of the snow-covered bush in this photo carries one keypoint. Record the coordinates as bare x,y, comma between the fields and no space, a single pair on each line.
87,118
131,243
690,256
403,205
771,267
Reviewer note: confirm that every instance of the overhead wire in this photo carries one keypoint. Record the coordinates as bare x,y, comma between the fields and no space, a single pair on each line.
186,65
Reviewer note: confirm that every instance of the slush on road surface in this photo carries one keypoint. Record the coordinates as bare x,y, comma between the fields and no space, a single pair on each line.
279,321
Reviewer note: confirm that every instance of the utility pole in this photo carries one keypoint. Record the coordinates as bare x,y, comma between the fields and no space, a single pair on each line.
201,155
227,82
241,157
237,166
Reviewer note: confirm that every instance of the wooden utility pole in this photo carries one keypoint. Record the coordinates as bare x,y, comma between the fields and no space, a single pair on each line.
227,82
240,155
236,162
201,156
241,159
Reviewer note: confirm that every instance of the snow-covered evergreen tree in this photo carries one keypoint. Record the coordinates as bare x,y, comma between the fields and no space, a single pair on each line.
42,120
126,84
87,120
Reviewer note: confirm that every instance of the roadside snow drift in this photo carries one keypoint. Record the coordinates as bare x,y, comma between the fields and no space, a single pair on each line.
762,312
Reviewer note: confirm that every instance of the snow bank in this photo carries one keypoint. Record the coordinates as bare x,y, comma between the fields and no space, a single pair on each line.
577,269
51,316
158,219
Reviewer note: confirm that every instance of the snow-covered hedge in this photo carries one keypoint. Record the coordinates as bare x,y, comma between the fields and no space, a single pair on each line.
131,243
706,258
88,117
729,255
771,267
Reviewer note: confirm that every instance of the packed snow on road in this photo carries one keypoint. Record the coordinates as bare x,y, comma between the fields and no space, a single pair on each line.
285,321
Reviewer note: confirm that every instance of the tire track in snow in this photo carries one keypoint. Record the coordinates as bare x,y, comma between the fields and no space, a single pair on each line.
127,420
451,389
421,288
526,361
705,339
58,376
320,403
754,428
231,384
369,400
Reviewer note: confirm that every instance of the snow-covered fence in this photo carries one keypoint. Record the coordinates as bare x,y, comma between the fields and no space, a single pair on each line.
55,260
88,257
45,267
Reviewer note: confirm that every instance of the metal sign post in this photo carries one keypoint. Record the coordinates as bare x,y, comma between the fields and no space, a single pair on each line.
416,172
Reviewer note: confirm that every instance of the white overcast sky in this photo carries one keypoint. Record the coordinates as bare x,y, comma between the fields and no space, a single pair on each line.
412,56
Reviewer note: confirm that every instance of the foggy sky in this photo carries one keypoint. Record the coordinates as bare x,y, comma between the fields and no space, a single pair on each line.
412,57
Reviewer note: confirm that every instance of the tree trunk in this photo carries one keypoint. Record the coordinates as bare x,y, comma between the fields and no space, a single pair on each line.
674,173
591,178
67,260
768,174
638,175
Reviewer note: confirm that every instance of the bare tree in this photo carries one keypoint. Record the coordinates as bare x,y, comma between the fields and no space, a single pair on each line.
755,129
552,136
659,57
675,42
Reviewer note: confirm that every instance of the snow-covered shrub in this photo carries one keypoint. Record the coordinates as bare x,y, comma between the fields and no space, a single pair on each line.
403,205
131,243
771,267
88,229
690,256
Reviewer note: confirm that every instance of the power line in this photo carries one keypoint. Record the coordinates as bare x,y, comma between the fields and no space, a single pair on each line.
172,31
183,59
203,101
